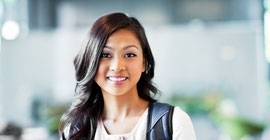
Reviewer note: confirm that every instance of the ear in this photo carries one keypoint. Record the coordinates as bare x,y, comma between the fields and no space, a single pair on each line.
144,66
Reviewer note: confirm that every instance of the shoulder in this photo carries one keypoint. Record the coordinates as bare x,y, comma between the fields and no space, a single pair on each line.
69,130
65,133
179,114
182,125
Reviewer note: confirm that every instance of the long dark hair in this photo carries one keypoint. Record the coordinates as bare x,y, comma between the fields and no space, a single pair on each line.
87,107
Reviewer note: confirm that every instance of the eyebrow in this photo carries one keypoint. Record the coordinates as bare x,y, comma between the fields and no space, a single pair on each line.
125,48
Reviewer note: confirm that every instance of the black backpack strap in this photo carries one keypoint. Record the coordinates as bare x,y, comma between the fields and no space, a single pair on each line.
159,125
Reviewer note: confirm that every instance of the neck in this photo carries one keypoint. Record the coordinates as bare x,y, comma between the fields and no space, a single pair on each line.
121,107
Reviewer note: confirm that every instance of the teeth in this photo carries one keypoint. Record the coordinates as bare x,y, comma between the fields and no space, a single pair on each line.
117,79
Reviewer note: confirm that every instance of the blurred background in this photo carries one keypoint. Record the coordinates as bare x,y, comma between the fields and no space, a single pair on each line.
212,60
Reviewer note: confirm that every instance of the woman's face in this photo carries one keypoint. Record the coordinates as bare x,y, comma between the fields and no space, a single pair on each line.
121,64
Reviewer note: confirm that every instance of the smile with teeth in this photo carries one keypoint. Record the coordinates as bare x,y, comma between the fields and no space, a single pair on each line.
117,79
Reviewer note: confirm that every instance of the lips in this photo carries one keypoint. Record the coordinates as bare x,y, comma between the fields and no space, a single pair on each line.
117,78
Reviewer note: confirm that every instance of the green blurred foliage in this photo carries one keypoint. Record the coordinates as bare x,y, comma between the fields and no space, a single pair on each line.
208,104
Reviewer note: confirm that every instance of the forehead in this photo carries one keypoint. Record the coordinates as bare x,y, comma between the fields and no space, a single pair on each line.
123,37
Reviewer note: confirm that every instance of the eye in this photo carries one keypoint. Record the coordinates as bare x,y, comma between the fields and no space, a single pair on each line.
130,55
105,55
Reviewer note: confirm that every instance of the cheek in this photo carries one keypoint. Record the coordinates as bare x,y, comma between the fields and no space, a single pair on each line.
137,68
100,72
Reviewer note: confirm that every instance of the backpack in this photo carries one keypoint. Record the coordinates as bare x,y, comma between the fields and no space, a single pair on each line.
159,125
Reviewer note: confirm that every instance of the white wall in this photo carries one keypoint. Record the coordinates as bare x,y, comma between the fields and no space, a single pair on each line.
225,57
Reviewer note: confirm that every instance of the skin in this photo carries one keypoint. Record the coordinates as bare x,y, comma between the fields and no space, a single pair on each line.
119,71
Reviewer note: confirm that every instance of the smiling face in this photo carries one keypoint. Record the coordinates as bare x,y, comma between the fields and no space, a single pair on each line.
121,64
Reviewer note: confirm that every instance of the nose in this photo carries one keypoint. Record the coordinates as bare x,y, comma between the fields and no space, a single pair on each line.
117,64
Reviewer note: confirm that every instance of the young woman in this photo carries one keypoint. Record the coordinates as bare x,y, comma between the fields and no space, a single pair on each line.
114,69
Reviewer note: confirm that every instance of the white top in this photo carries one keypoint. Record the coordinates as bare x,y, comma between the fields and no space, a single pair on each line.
182,128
